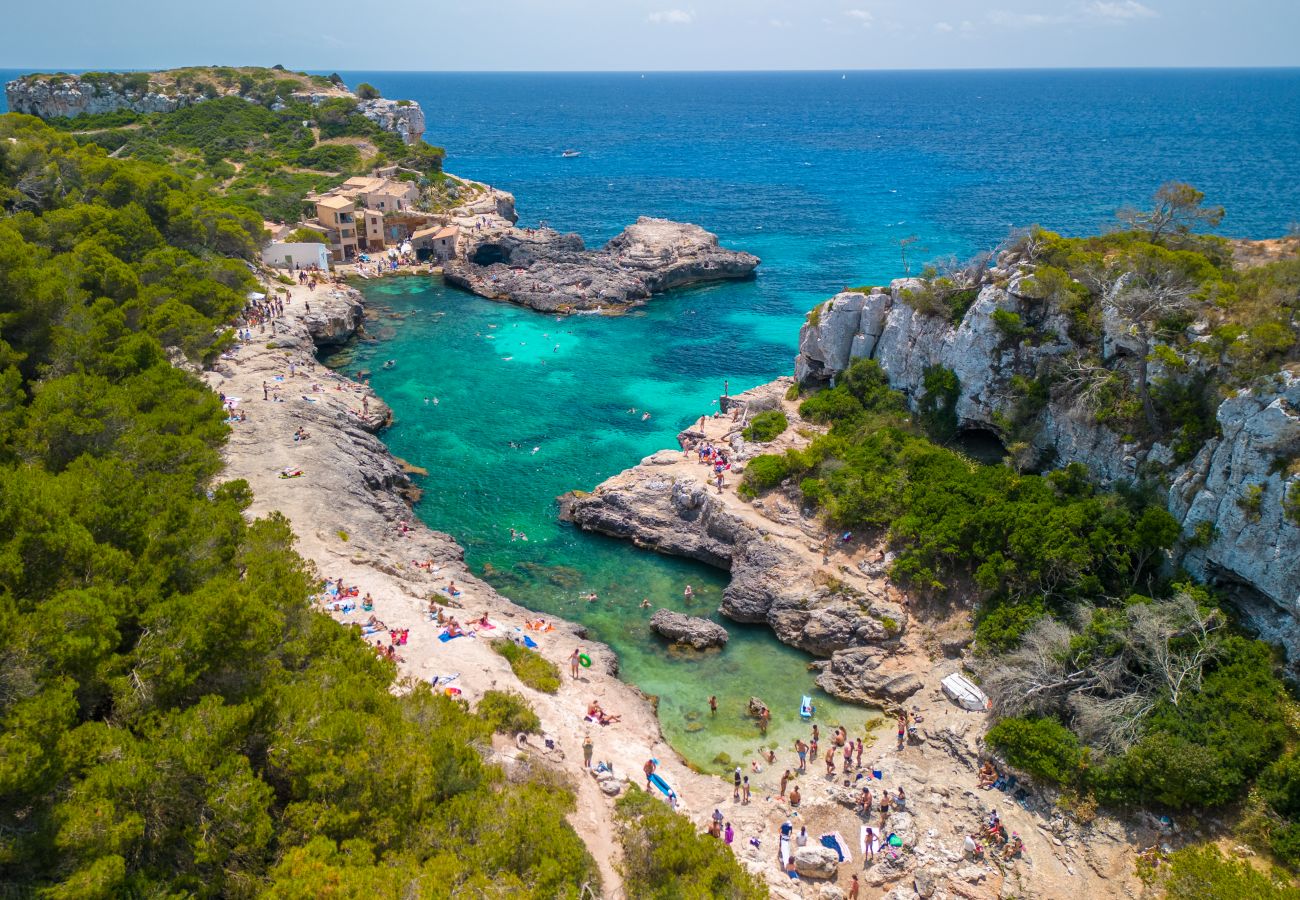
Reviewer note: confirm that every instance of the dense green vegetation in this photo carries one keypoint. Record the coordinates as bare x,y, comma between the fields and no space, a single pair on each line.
666,860
766,426
508,713
529,666
253,140
1109,679
175,717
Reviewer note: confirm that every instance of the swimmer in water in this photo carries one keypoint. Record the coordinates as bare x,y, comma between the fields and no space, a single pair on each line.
435,401
645,604
645,416
535,449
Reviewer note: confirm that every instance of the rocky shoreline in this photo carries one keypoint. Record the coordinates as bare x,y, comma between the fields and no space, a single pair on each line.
351,513
553,272
833,599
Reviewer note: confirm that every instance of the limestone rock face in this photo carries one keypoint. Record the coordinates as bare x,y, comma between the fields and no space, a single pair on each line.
680,628
404,118
552,272
816,862
1235,483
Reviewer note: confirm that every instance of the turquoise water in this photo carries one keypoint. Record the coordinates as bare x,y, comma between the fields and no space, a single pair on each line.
508,380
820,176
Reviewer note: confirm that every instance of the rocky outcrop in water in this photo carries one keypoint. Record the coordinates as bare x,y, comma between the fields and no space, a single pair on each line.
554,272
1229,497
694,632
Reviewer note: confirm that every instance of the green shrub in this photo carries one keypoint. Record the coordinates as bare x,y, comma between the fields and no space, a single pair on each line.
766,426
1291,502
1009,324
1284,841
999,626
1203,873
763,473
665,858
529,666
1042,747
367,91
937,409
1280,785
1251,501
507,713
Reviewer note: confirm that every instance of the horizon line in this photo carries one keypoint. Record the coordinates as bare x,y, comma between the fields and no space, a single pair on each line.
72,70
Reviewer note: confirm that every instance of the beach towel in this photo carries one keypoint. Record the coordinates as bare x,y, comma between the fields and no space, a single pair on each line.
530,643
785,849
445,636
877,774
835,841
443,679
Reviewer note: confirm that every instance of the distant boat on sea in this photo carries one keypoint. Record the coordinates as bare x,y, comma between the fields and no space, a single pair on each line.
570,154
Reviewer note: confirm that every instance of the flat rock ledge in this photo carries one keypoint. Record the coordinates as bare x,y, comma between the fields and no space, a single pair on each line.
553,272
700,634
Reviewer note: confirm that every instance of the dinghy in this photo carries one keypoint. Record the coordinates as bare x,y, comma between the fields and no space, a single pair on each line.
962,691
806,708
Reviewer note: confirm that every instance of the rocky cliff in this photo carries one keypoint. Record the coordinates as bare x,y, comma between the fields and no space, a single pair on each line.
554,272
1228,497
66,96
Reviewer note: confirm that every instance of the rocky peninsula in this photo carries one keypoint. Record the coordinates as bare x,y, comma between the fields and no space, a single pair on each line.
553,272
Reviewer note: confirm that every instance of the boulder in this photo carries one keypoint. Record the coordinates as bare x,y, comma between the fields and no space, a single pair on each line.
756,706
680,628
816,862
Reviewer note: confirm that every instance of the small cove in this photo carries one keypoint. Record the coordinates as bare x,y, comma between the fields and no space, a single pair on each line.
503,389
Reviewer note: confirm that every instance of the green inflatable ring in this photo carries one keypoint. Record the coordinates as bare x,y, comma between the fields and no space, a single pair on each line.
584,660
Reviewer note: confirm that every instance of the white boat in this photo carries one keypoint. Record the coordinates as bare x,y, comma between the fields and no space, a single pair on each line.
962,691
570,154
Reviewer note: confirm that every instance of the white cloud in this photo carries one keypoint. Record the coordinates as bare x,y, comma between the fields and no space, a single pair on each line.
943,27
862,15
671,17
1007,19
780,23
1118,10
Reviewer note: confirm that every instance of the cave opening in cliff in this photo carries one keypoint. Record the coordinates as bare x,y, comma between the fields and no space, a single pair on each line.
487,254
981,445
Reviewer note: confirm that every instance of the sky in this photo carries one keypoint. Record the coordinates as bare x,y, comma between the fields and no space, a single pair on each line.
650,35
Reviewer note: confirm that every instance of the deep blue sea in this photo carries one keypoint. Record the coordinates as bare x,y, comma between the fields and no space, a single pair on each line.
820,174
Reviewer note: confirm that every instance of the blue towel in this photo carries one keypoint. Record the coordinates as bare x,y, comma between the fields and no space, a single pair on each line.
445,637
829,842
529,642
877,774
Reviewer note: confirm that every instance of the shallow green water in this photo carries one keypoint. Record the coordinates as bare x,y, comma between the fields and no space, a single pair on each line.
508,380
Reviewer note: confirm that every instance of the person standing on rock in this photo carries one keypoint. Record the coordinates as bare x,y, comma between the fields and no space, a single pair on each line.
795,798
785,780
858,754
744,791
830,762
586,752
848,756
735,779
266,391
574,662
902,730
649,769
853,888
764,716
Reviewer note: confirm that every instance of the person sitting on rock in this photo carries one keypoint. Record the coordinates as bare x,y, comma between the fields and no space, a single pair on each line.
988,774
795,798
972,847
1014,847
